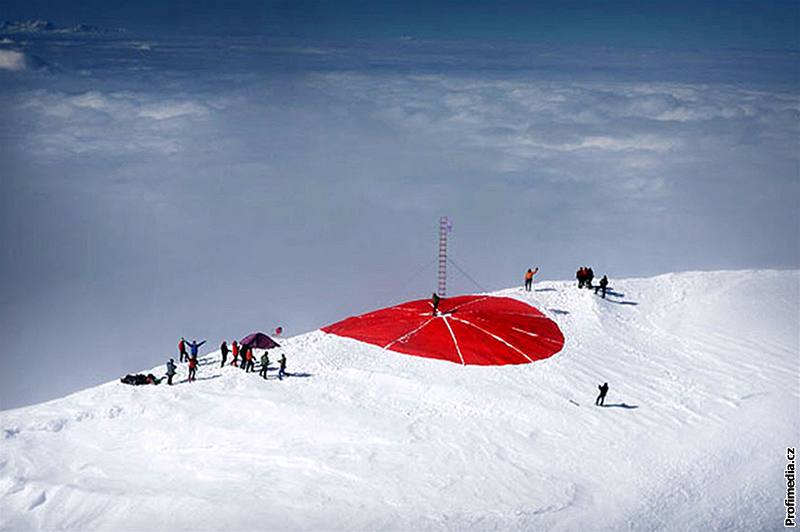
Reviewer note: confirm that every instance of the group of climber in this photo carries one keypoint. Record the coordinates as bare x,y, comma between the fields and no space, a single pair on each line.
585,276
194,347
242,357
190,357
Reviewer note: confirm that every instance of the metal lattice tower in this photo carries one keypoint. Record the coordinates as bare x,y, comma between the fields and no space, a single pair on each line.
444,226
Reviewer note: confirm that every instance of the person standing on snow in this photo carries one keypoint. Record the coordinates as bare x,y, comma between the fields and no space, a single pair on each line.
579,275
250,363
602,286
182,349
194,346
170,371
529,278
224,350
601,398
235,351
264,365
192,368
282,368
589,277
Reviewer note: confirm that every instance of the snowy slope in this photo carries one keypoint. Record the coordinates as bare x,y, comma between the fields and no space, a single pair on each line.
703,400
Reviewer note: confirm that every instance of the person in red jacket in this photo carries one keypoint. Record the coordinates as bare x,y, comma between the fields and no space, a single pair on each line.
580,275
192,368
182,350
235,351
250,364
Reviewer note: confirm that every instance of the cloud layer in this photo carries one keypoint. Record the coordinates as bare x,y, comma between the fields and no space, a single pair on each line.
150,191
109,124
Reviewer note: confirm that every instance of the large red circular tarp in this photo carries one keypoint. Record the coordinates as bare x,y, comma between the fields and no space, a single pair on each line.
481,330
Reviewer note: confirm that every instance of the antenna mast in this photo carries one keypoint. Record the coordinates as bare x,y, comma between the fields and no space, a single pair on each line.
444,228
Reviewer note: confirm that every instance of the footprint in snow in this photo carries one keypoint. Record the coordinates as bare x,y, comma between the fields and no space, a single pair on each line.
751,395
38,501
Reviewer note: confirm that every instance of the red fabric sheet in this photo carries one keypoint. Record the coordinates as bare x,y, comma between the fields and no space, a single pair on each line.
480,330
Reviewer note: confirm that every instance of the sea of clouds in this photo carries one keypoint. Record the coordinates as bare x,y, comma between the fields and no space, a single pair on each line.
152,186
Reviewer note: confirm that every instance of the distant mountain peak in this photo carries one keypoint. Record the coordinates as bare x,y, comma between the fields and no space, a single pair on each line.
45,26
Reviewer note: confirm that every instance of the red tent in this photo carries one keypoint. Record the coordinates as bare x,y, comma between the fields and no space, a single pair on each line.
482,330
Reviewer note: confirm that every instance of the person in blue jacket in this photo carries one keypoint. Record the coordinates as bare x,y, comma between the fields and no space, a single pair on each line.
282,367
194,346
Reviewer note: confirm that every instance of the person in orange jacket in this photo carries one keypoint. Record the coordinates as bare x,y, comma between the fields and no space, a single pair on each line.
235,351
529,278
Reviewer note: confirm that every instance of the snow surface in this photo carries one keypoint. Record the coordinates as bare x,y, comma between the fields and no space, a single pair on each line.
703,400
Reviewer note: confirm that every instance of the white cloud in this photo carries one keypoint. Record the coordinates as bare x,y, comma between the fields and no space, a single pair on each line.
165,111
637,142
144,46
12,60
91,100
633,139
112,123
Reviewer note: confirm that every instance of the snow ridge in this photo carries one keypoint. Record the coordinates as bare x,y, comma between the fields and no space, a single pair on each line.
702,368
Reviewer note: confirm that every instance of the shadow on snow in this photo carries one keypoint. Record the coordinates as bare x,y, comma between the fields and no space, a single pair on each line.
621,405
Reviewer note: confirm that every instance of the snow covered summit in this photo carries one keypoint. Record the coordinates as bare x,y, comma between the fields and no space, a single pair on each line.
702,369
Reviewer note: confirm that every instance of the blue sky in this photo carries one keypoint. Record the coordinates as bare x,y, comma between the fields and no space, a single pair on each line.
673,24
213,171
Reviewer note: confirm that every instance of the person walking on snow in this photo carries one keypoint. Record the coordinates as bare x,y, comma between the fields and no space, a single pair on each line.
602,396
235,346
264,365
170,371
580,275
224,350
182,349
282,368
192,368
435,302
602,286
529,278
